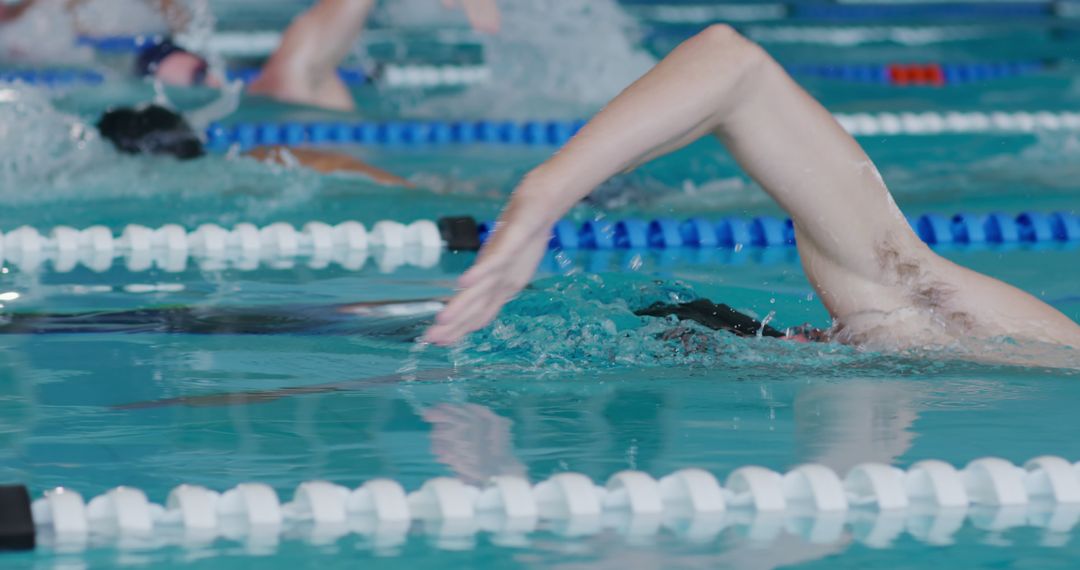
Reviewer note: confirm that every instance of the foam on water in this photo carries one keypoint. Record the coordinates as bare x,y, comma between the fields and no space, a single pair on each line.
588,321
585,322
50,158
125,17
21,39
552,57
37,141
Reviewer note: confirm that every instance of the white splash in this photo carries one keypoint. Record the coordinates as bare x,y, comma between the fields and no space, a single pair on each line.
551,57
38,142
21,39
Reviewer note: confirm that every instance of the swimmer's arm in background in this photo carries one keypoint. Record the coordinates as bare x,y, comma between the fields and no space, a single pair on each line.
857,248
303,69
10,11
326,162
483,15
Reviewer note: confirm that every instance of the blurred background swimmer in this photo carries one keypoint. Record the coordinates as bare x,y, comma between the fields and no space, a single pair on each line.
303,69
154,129
23,24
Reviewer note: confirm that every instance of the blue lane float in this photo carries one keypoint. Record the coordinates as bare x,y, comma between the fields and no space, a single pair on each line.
885,74
938,11
789,11
962,229
351,76
120,44
906,75
221,137
392,133
52,78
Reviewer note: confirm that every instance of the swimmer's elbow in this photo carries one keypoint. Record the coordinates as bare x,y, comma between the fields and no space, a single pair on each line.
727,56
719,36
722,45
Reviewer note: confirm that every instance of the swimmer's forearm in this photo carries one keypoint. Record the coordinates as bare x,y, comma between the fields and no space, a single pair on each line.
721,83
674,104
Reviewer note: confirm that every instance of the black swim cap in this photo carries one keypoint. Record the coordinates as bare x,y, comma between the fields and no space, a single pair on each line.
151,129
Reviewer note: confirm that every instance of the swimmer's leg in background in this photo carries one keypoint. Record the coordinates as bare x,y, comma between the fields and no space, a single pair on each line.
303,69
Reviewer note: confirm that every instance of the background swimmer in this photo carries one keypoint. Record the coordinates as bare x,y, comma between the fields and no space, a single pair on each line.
153,129
303,69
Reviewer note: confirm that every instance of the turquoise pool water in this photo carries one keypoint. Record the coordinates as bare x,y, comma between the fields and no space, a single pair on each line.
568,379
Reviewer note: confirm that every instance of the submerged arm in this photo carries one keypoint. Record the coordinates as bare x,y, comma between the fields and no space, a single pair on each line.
858,250
326,162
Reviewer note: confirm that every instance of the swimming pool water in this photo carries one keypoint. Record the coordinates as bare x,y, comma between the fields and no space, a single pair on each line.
568,379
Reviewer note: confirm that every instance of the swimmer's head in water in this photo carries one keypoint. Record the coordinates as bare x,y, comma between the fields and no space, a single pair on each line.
151,129
171,64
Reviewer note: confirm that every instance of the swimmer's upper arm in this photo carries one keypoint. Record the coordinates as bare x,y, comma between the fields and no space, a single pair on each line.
856,246
853,239
719,82
810,165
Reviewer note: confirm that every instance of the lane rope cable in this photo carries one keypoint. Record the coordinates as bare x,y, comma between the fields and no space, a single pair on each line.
420,242
931,500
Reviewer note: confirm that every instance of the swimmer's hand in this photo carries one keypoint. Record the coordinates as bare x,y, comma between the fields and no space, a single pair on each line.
483,15
504,267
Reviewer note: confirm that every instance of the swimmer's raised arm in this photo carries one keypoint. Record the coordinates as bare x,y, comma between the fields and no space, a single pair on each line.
857,249
483,15
303,69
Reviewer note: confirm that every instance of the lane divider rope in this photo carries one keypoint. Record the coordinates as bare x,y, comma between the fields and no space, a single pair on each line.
767,231
244,246
256,43
53,78
919,74
399,75
396,75
931,500
700,14
420,242
904,35
966,11
389,75
246,135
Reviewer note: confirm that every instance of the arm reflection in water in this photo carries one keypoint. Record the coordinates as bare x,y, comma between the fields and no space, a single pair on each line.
838,425
473,441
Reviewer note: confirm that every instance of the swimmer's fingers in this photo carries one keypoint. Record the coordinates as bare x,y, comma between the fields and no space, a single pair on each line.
485,290
504,267
466,313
